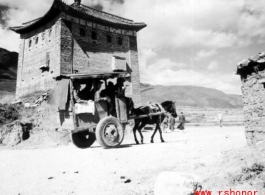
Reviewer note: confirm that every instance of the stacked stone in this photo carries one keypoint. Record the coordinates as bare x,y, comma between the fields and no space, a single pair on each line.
252,76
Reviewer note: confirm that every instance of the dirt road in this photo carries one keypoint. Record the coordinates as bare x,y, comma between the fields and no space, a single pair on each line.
68,170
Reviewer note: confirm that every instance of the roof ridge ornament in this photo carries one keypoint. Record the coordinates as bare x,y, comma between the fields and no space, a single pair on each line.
77,3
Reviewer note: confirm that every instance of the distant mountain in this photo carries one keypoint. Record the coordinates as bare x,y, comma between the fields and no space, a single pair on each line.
190,96
8,70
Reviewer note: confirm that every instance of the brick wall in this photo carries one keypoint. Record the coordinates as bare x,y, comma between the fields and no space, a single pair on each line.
19,91
95,56
135,74
60,42
66,47
92,56
38,48
254,107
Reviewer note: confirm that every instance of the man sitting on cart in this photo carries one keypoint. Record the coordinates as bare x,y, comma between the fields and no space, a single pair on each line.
96,94
81,96
101,95
87,92
120,93
76,92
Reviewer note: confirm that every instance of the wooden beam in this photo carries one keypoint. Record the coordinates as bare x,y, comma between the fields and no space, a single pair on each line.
87,128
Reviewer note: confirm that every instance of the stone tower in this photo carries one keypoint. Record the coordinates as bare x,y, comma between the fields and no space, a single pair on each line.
76,39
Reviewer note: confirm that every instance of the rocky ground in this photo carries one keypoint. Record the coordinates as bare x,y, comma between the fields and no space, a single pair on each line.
217,155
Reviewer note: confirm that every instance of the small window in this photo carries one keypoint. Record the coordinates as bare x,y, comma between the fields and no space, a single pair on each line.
82,32
94,35
37,40
109,39
119,41
29,43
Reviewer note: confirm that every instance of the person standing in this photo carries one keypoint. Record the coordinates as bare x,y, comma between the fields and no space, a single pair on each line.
164,124
220,118
171,123
182,121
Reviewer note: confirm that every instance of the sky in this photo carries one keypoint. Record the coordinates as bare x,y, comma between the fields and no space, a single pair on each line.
186,42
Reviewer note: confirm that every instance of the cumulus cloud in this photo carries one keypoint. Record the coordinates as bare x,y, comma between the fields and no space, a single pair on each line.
167,72
229,83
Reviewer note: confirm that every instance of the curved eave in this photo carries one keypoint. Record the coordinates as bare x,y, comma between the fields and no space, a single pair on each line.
58,6
52,13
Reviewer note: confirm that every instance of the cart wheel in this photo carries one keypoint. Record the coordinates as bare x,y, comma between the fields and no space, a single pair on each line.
83,139
109,132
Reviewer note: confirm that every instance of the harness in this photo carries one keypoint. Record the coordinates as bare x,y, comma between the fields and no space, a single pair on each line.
155,107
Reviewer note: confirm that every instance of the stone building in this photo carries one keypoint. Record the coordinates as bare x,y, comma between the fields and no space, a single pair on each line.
252,73
76,39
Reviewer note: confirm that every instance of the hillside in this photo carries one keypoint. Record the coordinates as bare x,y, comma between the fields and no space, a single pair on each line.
190,96
8,70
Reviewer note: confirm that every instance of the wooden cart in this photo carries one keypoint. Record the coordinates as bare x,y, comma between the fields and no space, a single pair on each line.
87,127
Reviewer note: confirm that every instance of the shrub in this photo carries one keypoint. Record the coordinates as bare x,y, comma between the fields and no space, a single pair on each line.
9,113
249,173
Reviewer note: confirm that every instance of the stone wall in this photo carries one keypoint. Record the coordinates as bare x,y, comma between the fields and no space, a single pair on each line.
39,48
254,107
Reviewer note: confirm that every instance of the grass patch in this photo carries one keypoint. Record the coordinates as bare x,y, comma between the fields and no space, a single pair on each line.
249,174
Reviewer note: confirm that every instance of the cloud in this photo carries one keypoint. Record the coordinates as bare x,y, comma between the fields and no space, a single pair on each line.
206,23
213,65
178,24
14,13
113,6
182,38
3,15
227,83
202,54
166,72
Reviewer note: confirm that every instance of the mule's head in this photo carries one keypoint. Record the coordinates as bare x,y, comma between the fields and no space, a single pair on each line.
170,107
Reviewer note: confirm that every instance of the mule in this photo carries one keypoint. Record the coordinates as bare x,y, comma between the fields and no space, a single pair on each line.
168,106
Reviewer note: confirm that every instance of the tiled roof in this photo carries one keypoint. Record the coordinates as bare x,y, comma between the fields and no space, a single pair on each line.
81,11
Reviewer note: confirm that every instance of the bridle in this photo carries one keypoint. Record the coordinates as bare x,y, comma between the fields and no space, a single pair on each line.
166,112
